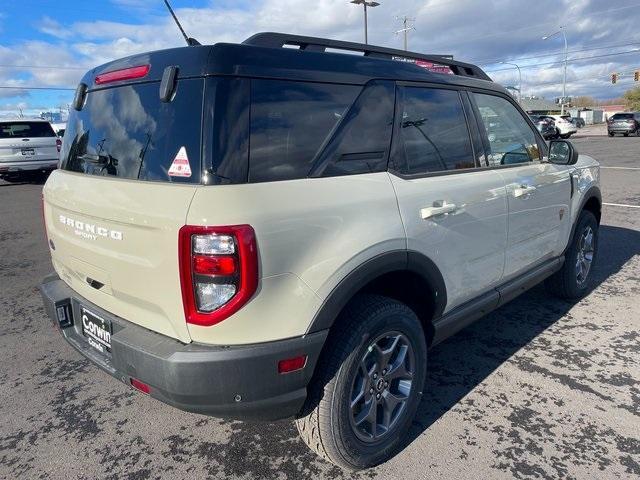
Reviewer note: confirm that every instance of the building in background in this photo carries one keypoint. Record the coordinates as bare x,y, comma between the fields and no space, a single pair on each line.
539,106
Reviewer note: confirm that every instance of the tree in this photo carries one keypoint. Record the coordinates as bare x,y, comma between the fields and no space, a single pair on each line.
581,102
632,99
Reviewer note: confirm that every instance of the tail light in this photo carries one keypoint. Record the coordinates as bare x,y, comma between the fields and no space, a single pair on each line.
58,144
218,271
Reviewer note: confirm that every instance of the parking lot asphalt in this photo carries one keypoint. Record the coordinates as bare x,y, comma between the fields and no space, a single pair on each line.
541,388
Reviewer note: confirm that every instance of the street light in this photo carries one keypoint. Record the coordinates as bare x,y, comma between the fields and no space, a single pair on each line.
519,79
365,4
564,77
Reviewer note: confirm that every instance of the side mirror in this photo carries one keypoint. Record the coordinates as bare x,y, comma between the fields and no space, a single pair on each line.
562,152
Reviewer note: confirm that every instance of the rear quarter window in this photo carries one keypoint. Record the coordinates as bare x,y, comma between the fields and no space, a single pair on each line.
26,130
290,121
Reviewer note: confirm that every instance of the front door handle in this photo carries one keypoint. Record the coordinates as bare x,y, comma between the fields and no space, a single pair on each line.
523,190
440,207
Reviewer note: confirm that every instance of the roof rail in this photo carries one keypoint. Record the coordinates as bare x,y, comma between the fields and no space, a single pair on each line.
314,44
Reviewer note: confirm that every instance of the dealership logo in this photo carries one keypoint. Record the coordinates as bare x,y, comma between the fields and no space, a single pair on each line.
89,231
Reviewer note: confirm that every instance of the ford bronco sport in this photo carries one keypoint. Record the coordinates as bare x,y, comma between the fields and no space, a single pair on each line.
260,232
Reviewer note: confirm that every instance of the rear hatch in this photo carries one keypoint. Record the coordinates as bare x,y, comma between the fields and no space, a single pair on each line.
114,208
27,141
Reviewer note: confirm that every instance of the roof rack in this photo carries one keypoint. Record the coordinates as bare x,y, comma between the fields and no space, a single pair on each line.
314,44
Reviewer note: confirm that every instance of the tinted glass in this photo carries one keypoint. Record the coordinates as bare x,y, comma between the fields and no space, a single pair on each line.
128,132
26,130
290,121
433,131
623,116
362,140
511,139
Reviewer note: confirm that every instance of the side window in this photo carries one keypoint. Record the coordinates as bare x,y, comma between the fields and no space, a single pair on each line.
433,131
362,140
511,139
290,121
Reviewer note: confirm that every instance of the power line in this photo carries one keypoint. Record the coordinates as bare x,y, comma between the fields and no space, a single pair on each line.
580,50
51,67
534,65
36,88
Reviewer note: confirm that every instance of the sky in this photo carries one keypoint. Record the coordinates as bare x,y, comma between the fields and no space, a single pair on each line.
51,43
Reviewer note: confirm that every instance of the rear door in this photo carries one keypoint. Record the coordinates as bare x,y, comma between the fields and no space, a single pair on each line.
538,192
454,212
27,141
114,209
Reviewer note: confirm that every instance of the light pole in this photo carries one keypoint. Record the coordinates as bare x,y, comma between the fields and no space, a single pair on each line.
365,4
564,77
519,79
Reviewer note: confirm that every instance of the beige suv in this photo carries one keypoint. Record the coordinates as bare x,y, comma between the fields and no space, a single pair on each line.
260,232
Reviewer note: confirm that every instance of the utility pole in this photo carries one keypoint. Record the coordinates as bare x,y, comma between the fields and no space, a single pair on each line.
406,26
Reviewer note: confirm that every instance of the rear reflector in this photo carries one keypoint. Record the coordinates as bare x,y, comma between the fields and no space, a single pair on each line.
292,364
140,386
124,74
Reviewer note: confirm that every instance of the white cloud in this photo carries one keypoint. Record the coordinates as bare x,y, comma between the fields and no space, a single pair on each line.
471,30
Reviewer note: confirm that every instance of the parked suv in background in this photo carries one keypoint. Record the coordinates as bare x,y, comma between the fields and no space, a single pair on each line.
564,127
624,123
259,232
27,146
545,125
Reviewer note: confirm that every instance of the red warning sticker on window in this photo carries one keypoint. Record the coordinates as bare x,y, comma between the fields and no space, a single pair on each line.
180,166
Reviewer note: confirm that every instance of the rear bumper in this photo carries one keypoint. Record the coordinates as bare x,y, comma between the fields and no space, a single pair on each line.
629,129
17,167
240,382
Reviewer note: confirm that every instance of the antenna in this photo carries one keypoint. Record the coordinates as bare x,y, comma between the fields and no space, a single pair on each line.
406,23
190,41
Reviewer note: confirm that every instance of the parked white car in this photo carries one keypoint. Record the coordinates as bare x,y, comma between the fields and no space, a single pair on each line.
27,146
564,126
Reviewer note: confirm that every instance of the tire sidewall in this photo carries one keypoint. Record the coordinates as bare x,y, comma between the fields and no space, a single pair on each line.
586,219
357,452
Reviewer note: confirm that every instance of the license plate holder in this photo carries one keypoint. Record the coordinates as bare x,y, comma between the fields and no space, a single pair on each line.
28,152
97,330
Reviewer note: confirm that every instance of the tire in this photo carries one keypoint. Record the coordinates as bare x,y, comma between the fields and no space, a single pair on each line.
626,134
327,424
565,136
610,134
568,282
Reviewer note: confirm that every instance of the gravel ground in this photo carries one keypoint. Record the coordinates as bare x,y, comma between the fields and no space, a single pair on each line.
539,389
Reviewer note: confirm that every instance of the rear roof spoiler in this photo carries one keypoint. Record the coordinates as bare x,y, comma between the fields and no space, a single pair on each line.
314,44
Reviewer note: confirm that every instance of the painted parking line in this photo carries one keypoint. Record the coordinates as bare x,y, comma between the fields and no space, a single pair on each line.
623,205
622,168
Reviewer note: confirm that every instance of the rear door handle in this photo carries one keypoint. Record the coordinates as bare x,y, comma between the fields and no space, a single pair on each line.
523,190
440,207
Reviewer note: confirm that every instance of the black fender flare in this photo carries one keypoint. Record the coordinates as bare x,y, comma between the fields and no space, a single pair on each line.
592,192
393,261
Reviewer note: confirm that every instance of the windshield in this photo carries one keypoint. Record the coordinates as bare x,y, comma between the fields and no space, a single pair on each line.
128,132
623,116
26,130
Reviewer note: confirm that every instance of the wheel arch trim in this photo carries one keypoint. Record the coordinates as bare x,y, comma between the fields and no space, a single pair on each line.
366,272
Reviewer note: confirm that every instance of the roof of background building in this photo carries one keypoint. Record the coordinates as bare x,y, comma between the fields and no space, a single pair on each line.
535,104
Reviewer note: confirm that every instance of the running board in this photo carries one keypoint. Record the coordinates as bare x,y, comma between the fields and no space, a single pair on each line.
464,315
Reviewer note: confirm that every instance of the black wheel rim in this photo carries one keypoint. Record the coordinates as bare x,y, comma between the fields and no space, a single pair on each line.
382,387
584,259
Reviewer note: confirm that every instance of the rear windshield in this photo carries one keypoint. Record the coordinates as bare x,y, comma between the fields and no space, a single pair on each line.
127,132
26,130
623,116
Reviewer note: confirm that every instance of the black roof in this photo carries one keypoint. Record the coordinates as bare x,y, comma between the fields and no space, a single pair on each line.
269,55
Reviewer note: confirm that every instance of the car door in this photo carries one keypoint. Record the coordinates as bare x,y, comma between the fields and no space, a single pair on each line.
538,192
453,212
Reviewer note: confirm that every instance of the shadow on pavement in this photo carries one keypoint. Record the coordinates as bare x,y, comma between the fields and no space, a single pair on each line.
462,362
